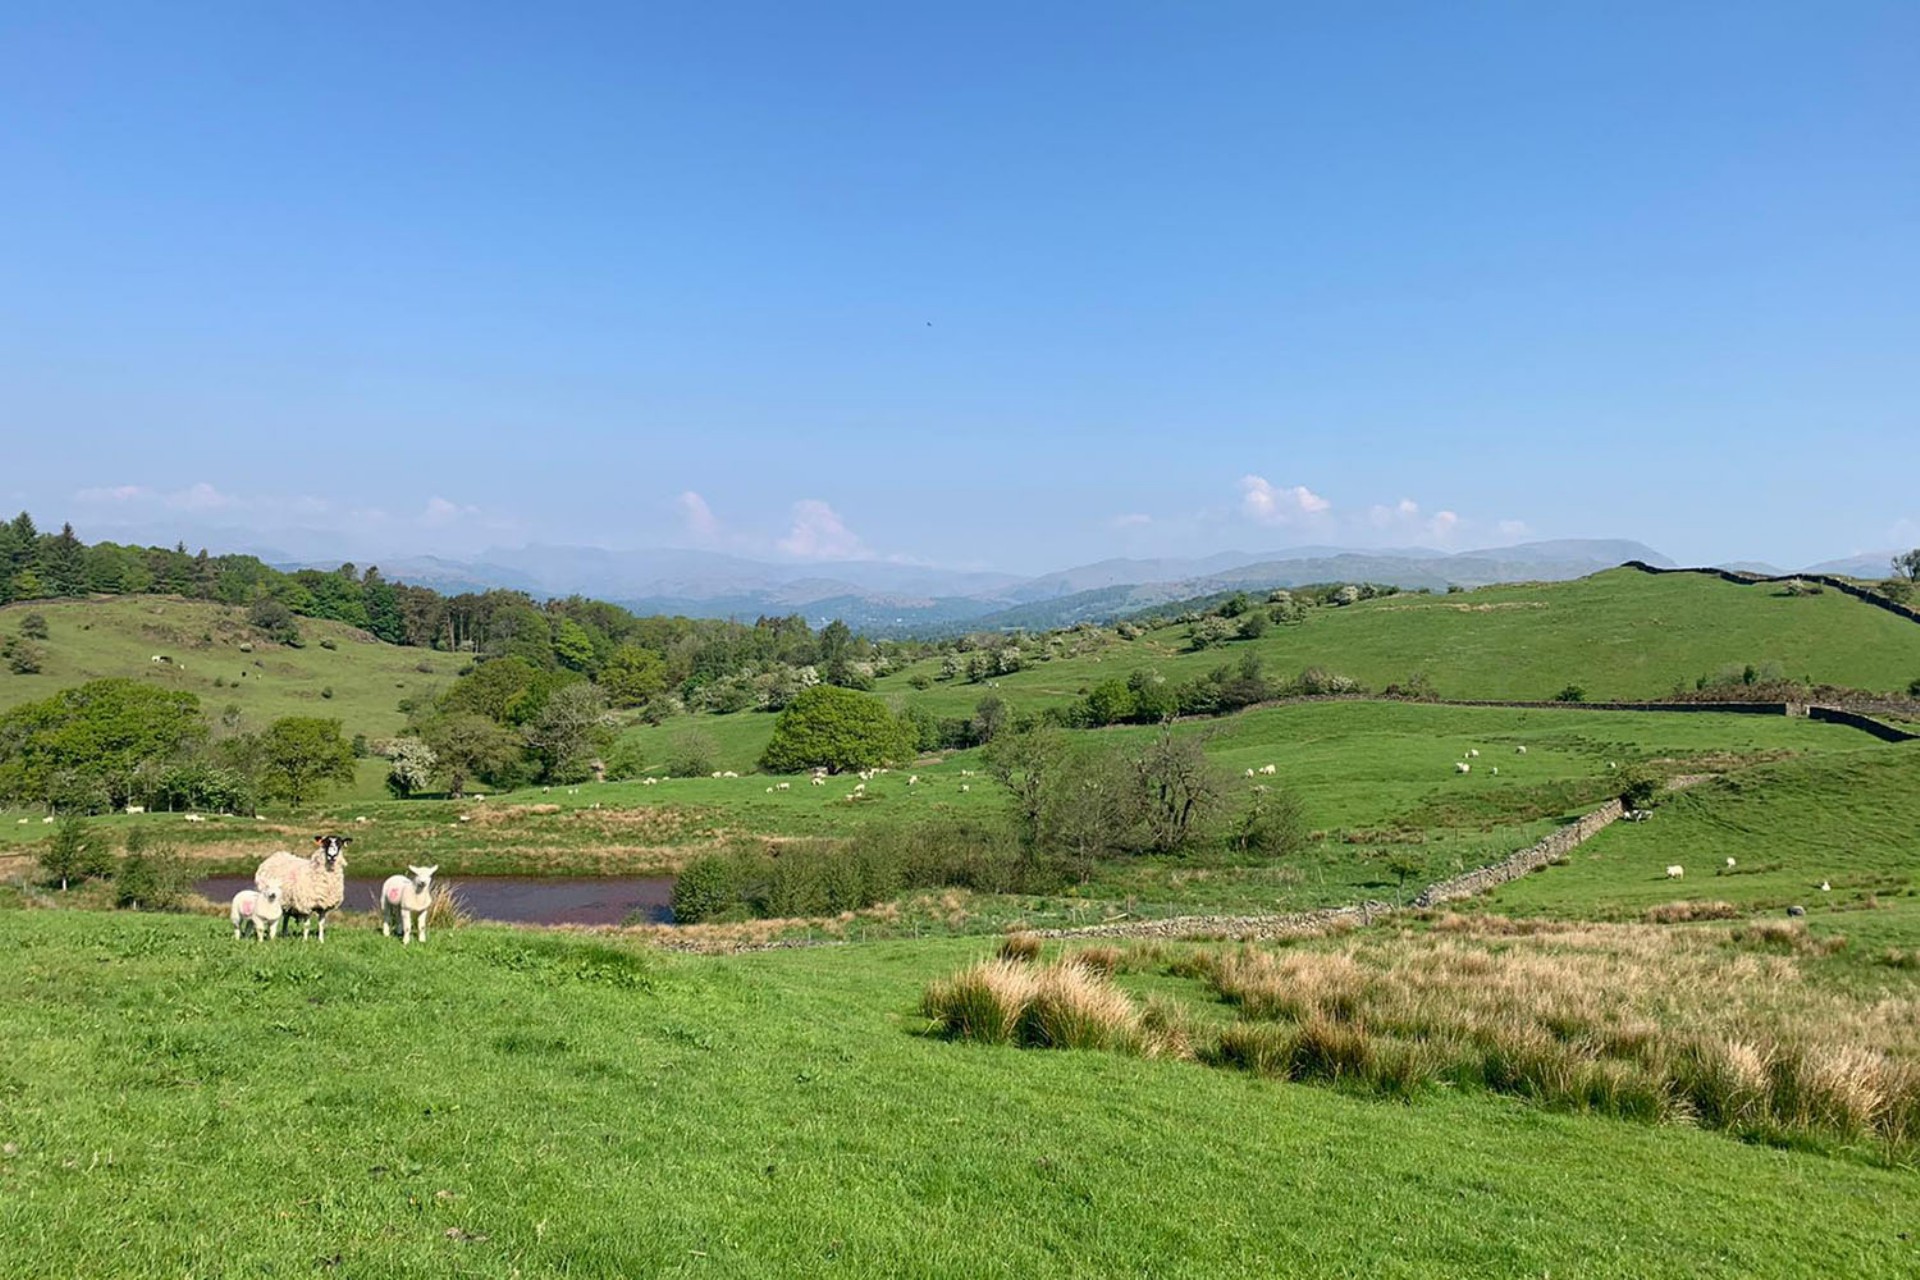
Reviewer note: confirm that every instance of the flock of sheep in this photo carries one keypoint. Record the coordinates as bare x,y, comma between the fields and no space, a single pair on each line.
306,889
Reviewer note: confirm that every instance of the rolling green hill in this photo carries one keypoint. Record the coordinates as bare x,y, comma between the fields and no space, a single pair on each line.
201,642
1621,635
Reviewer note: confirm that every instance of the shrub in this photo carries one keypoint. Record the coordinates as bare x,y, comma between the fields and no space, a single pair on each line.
329,643
23,657
707,888
838,729
34,626
983,1003
1273,826
1571,693
692,756
1639,789
70,856
151,876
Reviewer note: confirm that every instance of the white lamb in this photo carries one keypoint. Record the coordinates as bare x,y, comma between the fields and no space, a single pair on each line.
312,886
1473,753
1520,751
1461,766
785,786
258,909
1675,872
1269,769
1731,864
406,899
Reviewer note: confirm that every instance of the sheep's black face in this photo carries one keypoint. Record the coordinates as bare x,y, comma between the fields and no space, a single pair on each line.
333,847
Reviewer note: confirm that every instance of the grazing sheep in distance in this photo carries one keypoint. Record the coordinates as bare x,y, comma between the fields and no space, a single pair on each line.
1675,872
1461,766
405,899
1269,770
1731,864
1796,910
1249,773
1496,771
1473,753
258,909
136,808
819,781
1825,887
784,786
1520,750
965,787
310,886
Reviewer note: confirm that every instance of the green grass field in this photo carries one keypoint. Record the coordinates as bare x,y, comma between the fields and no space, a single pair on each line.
506,1103
119,636
1851,821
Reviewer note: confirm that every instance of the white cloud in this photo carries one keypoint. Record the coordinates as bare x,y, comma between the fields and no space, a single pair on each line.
697,516
439,513
112,493
1405,520
1265,503
819,533
201,497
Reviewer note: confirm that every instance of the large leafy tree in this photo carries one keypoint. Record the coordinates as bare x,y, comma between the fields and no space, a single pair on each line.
301,754
836,729
632,675
83,747
467,745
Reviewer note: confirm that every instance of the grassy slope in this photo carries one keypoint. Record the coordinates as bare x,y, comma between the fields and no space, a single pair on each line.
1848,820
176,1103
1356,767
1621,634
118,636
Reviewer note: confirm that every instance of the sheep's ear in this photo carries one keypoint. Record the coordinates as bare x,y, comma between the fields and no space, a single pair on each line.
435,867
344,839
319,839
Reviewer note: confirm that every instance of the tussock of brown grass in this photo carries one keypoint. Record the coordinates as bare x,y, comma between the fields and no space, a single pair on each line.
1686,912
1104,961
1020,946
1056,1006
446,909
1630,1020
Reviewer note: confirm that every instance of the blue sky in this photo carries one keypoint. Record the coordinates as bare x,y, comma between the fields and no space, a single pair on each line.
1011,286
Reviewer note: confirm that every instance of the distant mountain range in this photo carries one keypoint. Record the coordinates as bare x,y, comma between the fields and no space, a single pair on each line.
886,598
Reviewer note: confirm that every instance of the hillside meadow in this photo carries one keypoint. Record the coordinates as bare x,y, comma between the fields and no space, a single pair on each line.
503,1102
359,680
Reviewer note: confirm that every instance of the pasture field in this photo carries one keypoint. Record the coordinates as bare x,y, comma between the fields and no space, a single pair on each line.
503,1102
1850,820
1620,635
120,635
1376,781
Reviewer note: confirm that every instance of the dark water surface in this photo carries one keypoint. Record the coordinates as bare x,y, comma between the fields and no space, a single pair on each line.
519,899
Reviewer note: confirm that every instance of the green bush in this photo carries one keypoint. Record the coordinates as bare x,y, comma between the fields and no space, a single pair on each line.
706,889
151,876
836,729
71,855
1572,693
1639,789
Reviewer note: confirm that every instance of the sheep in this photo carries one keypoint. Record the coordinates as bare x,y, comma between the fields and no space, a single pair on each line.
258,909
1249,773
1496,771
404,900
785,786
1269,769
1675,872
1731,864
819,781
1473,753
312,886
1826,887
1796,910
1461,766
194,817
136,808
965,787
1520,750
47,821
769,790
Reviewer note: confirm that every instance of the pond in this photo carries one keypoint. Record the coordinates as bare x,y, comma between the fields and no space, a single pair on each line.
518,899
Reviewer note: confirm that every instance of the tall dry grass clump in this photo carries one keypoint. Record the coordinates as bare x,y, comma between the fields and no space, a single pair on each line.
447,909
1020,946
1719,1027
1058,1006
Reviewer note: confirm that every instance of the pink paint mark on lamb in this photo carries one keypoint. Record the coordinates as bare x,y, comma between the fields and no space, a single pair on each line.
393,893
246,906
